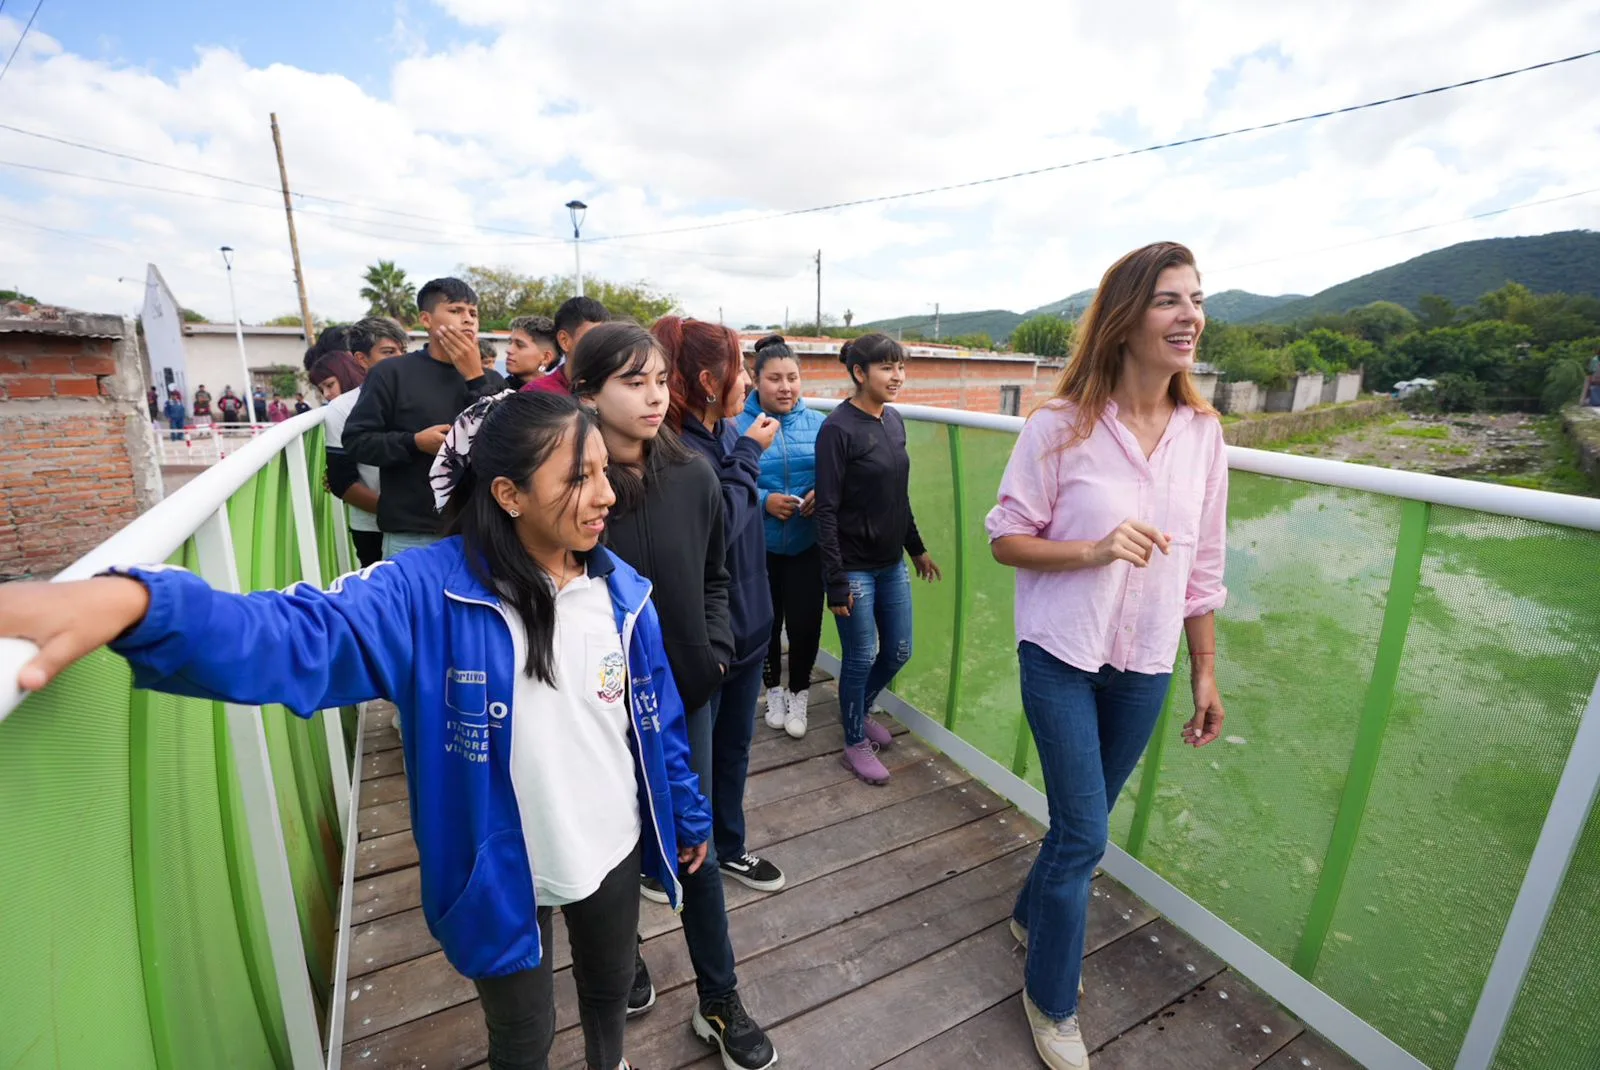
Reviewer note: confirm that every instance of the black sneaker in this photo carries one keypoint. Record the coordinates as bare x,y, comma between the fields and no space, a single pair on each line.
754,872
642,996
652,890
724,1024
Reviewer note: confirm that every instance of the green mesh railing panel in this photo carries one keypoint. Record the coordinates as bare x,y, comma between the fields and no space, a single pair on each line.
1500,659
272,565
72,987
1398,908
1554,1025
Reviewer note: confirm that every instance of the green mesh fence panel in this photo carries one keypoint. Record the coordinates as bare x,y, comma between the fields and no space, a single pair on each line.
1243,824
72,988
926,677
1499,663
1554,1025
989,706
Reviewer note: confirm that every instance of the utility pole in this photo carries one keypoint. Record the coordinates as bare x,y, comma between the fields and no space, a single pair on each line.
936,321
576,210
819,293
786,315
294,242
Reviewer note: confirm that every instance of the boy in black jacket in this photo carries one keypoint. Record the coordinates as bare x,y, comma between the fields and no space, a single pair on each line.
408,403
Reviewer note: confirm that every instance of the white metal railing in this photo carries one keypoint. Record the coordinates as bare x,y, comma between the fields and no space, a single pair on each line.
1574,798
199,510
203,444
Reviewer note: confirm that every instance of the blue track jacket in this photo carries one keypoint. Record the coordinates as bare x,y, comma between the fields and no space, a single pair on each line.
422,632
789,467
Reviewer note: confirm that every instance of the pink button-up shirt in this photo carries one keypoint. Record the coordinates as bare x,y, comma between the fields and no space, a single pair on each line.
1118,615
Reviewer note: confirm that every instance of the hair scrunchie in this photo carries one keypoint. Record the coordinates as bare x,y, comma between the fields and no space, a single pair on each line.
455,455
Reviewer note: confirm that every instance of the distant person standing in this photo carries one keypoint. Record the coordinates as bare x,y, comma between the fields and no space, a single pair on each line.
788,500
573,319
202,406
278,410
259,404
530,350
866,529
407,405
1593,399
175,415
231,406
300,404
153,400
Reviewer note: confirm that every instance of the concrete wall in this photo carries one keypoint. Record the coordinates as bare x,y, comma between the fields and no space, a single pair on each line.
1582,425
1303,392
1239,397
1207,385
1347,387
81,463
1276,427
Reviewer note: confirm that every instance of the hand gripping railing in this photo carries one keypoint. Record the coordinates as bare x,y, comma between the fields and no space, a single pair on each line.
1289,982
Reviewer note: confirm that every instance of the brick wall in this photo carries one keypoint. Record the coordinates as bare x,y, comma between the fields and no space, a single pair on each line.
80,462
948,382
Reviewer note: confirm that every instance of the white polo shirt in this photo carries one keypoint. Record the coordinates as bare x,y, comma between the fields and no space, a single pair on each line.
570,764
333,432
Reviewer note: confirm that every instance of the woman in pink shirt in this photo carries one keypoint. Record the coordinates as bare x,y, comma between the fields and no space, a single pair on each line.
1113,512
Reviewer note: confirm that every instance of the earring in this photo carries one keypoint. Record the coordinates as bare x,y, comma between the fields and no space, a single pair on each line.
711,399
514,513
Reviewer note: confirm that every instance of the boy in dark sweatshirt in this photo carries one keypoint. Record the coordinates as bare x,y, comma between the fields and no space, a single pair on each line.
408,403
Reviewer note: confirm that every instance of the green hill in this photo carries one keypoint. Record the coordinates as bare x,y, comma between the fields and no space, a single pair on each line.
1564,262
1071,306
1237,306
997,323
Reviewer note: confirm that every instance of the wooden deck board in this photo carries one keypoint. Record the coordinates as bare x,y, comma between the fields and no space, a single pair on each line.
888,948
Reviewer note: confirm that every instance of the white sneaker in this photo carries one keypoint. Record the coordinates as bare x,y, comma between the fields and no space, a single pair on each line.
777,708
795,722
1059,1044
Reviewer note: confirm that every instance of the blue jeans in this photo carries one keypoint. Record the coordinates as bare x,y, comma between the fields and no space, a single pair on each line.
733,710
705,913
1090,728
874,642
396,541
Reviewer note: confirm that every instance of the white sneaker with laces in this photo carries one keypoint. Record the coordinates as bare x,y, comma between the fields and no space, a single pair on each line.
1059,1044
795,722
777,707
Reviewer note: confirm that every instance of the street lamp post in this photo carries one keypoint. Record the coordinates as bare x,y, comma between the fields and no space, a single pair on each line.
576,209
238,333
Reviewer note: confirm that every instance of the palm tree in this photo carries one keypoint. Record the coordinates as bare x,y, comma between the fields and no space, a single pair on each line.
389,293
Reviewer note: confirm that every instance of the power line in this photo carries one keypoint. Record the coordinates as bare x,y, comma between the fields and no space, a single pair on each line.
1276,124
234,200
22,38
120,155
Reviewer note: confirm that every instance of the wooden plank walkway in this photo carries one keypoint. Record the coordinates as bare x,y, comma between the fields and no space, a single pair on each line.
889,947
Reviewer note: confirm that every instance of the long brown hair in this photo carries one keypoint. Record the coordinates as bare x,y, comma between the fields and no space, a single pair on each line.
1119,305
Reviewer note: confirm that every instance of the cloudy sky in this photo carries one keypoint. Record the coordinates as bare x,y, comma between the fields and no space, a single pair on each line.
441,132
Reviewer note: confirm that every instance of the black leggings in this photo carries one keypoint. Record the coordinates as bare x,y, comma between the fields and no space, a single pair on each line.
369,546
797,597
520,1008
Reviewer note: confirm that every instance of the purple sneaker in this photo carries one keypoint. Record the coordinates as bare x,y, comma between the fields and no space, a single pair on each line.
862,760
878,734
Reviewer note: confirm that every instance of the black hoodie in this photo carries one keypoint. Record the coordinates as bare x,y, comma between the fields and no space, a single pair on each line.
674,540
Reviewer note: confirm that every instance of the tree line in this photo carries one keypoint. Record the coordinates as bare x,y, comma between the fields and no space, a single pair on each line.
1510,349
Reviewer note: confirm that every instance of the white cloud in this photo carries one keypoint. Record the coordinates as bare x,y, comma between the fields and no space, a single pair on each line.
669,116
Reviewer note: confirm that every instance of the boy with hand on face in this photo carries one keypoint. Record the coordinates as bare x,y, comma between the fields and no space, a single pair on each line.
408,404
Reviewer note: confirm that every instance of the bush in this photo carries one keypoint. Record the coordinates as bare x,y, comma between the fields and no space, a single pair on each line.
1562,385
1268,368
1453,393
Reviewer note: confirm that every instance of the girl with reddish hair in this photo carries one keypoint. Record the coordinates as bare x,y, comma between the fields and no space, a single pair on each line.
1113,511
706,385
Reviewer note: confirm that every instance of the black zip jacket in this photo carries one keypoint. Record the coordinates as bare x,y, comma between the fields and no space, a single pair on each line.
400,397
674,540
737,461
863,504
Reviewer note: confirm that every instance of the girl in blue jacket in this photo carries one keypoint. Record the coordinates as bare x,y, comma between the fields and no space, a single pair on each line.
544,740
787,493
